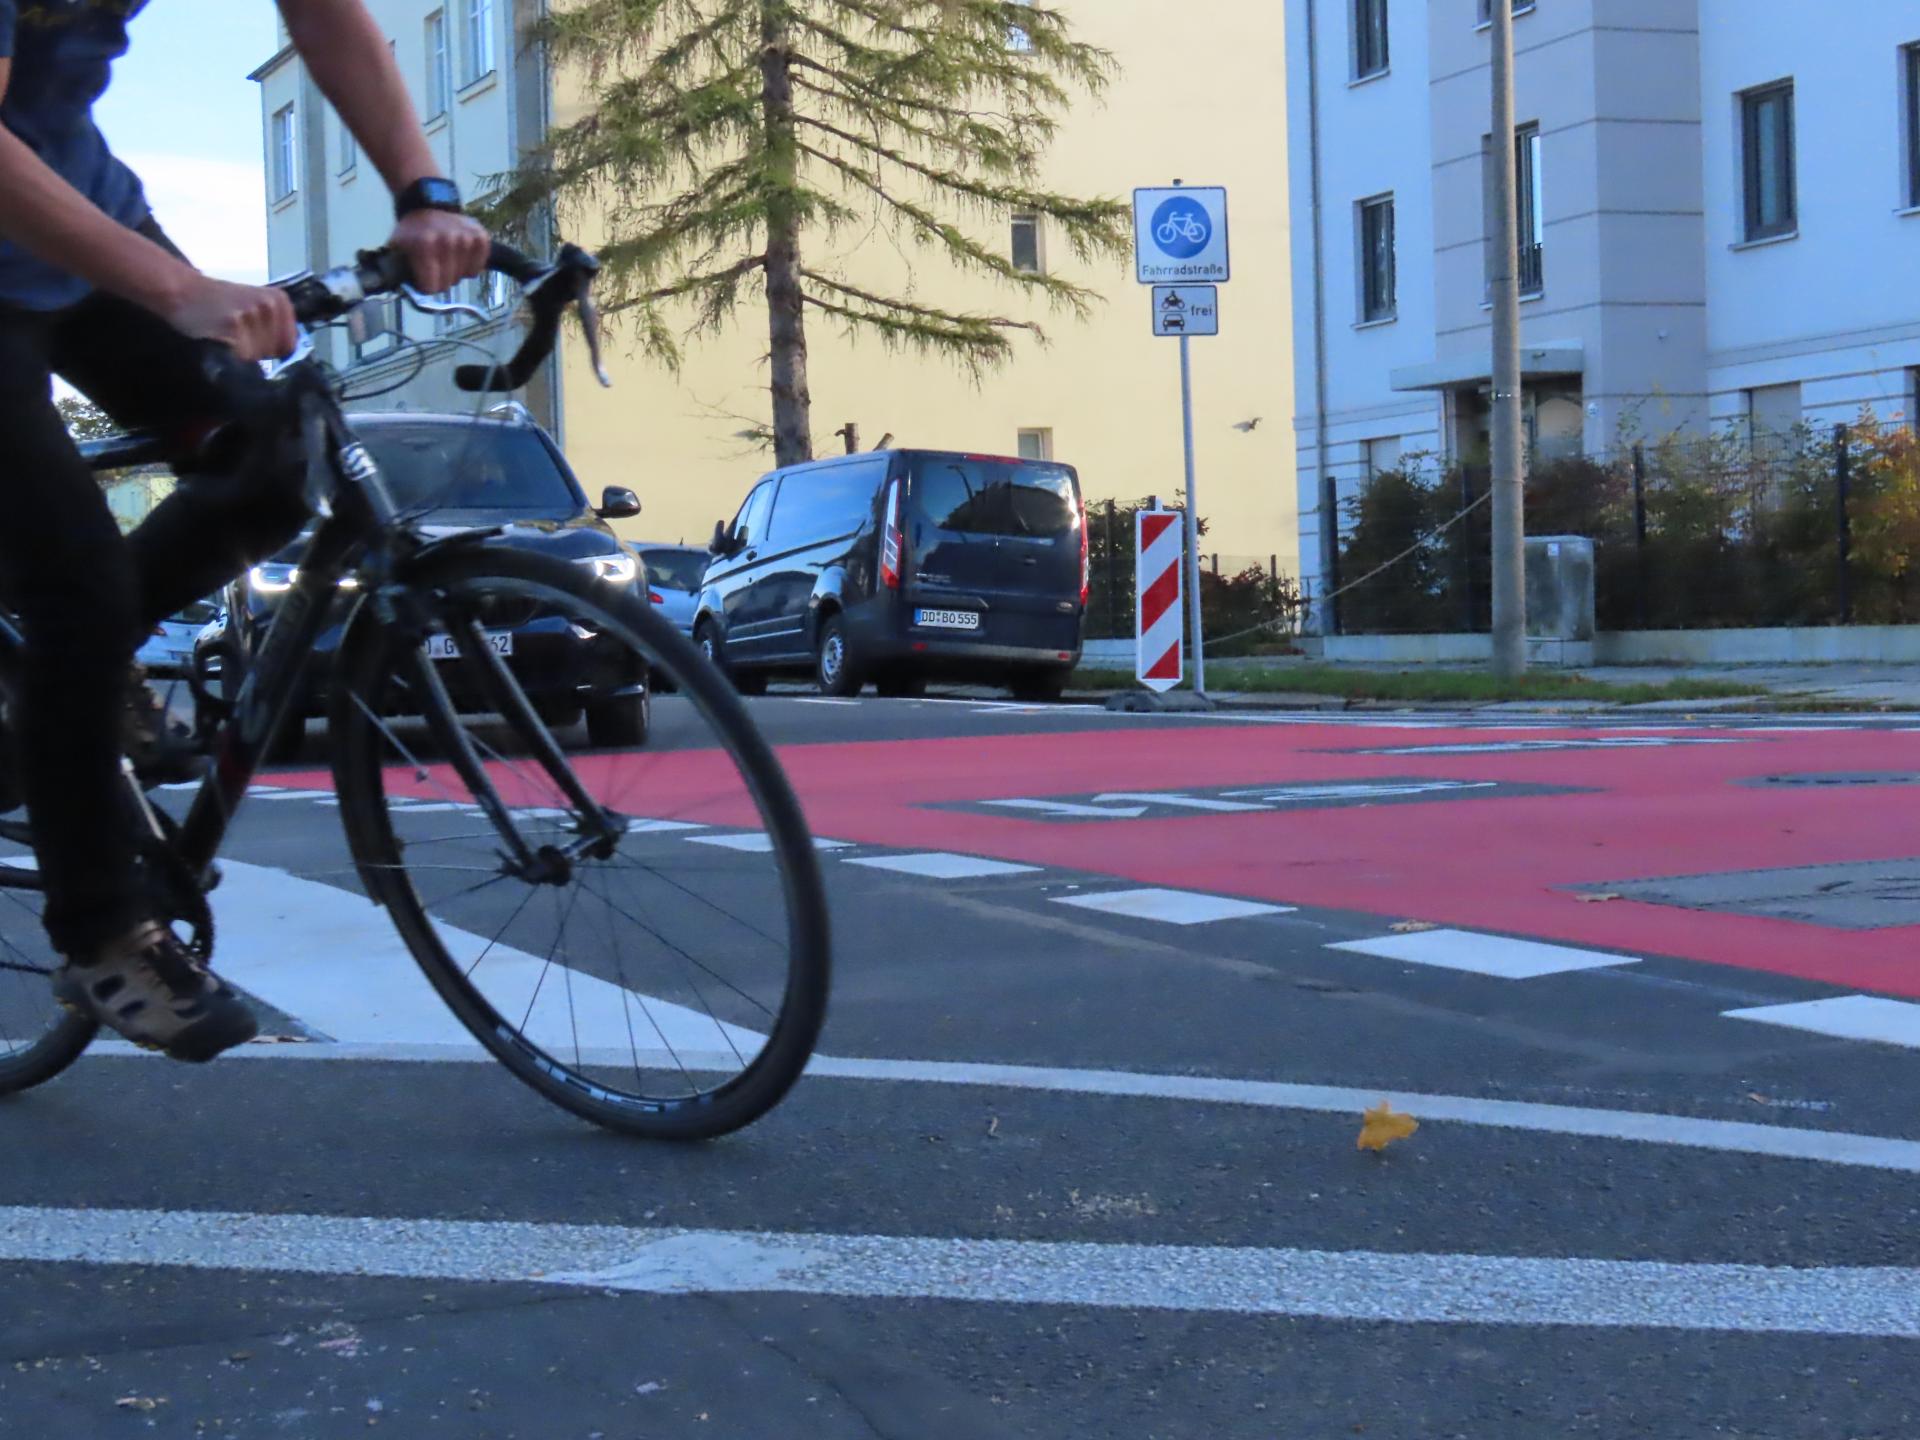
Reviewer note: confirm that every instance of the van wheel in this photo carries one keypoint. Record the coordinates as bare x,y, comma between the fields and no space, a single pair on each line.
834,669
749,682
621,723
901,684
1049,683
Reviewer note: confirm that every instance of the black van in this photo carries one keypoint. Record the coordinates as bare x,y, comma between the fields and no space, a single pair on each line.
895,565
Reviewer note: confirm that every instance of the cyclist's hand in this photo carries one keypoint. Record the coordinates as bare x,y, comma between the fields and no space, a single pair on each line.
256,320
441,248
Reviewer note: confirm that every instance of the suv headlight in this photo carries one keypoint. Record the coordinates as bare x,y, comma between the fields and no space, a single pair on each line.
614,569
272,578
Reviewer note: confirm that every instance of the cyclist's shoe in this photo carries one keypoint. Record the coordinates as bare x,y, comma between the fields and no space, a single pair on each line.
162,750
146,986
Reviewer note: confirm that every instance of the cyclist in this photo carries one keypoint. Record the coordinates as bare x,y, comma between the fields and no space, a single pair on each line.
91,290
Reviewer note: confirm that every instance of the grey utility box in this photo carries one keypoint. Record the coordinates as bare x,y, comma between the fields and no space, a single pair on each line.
1560,599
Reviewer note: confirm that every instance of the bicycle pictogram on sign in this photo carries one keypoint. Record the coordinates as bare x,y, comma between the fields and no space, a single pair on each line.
1181,229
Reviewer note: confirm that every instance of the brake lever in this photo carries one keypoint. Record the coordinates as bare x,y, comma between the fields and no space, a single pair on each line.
427,305
590,327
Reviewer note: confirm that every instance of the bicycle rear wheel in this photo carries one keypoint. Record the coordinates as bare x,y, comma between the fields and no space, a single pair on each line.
37,1038
669,981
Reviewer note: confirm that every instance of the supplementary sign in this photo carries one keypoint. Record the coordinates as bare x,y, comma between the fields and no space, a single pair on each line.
1158,638
1186,310
1180,235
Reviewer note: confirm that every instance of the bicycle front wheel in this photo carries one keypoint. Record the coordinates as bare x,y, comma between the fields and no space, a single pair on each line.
662,965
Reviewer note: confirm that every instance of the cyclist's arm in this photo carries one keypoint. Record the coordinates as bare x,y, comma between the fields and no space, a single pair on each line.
350,61
48,218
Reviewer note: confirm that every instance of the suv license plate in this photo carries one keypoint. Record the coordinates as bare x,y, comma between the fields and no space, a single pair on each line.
948,619
443,647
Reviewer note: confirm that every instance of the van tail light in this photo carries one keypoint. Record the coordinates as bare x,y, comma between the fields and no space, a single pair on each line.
893,544
1086,568
656,597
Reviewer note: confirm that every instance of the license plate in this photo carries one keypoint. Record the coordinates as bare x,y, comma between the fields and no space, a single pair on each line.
444,647
948,619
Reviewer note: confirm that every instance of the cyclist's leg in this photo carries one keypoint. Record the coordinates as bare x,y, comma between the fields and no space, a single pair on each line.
148,376
68,574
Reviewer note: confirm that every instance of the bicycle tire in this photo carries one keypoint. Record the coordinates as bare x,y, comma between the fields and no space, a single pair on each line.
370,654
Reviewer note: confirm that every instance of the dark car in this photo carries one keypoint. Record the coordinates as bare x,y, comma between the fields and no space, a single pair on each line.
900,565
462,474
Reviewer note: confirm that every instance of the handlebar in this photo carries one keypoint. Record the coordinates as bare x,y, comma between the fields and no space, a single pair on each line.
548,288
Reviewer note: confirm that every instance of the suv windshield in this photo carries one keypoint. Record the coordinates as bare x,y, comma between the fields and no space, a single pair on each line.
675,569
993,497
501,469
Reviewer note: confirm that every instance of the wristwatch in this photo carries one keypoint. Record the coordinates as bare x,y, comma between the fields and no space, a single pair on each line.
430,192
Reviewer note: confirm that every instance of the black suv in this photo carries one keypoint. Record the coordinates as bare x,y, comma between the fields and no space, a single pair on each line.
897,565
462,473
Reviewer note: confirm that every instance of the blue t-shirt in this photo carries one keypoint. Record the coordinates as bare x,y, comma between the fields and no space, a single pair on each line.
63,53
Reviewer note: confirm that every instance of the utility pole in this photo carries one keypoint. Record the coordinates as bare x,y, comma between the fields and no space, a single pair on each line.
1509,523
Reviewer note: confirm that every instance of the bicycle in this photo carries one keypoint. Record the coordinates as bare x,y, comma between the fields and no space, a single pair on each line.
1181,226
415,617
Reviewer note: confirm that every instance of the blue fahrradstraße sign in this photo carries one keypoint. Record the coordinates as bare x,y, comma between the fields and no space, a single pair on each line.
1180,235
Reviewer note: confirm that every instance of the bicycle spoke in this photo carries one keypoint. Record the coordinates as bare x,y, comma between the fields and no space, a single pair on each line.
717,977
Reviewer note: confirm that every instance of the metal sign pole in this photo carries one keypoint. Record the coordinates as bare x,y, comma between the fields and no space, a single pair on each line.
1193,524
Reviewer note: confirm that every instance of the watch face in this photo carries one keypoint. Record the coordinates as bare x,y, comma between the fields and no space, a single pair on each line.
439,192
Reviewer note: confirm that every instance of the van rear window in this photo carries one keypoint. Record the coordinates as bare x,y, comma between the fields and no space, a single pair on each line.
993,497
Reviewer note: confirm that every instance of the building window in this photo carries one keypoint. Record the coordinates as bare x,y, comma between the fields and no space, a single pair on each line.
285,169
1520,7
479,39
374,326
439,72
1369,38
1912,67
1529,213
1381,455
1378,300
1912,416
1773,419
1026,245
1767,155
1035,444
1017,38
349,150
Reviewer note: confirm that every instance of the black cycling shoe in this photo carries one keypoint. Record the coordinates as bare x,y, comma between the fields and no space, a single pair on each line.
146,986
163,751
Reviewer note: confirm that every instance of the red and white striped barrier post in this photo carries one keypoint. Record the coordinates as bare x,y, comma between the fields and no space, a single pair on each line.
1158,633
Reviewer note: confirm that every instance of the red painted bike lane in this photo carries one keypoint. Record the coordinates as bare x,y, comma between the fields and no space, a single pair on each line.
1503,863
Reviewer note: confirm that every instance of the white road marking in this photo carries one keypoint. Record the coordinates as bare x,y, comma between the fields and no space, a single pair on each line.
1062,807
1496,955
1175,907
1733,1137
822,700
350,977
1398,1288
939,865
1361,790
1181,802
759,843
1846,1017
286,794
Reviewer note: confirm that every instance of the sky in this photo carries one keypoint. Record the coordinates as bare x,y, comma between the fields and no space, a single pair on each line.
184,115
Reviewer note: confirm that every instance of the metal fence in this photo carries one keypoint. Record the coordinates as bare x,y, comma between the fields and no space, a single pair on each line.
1239,593
1688,533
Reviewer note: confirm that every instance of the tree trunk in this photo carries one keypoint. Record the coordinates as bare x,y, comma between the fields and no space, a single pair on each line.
786,321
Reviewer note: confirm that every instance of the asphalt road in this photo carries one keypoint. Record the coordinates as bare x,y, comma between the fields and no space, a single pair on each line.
1080,1156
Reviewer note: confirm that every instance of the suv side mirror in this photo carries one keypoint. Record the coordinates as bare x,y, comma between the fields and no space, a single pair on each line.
722,542
618,503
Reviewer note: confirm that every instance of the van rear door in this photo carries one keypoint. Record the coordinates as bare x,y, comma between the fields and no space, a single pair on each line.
996,538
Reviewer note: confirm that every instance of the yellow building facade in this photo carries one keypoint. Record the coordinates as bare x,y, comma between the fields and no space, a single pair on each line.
1204,103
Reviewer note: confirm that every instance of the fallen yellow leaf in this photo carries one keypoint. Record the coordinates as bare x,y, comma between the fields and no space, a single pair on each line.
1382,1125
1408,927
1598,895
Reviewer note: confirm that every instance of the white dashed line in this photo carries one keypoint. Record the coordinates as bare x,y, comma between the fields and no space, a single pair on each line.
759,844
939,865
1175,907
1495,955
1845,1017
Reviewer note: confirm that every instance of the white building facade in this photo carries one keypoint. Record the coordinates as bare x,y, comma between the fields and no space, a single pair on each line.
1719,224
484,98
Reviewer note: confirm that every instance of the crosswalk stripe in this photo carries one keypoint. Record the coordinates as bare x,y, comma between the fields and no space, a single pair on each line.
1175,907
1498,956
1398,1287
1844,1017
938,865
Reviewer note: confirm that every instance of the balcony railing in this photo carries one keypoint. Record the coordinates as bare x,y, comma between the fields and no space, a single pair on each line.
1532,269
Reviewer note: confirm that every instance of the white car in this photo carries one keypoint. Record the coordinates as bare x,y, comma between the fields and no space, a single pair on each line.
168,652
